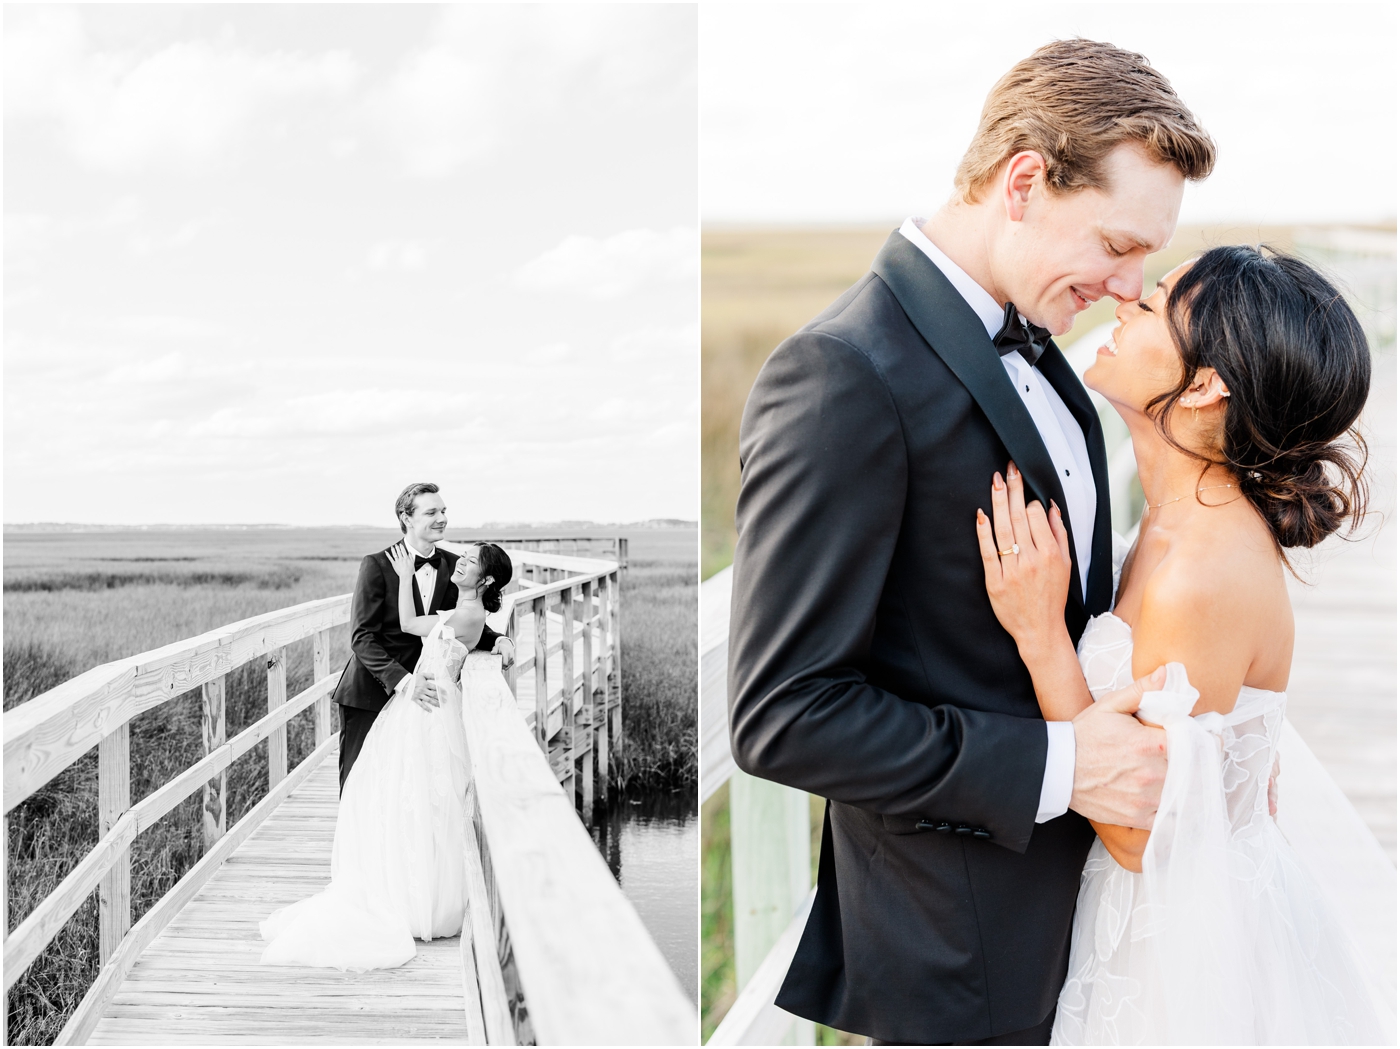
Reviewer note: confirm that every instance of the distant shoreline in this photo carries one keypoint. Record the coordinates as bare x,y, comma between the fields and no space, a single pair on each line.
491,526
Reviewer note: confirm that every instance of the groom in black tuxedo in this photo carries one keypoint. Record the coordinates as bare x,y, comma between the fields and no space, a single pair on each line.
866,663
382,656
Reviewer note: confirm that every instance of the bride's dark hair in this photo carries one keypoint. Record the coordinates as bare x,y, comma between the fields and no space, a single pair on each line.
492,561
1296,362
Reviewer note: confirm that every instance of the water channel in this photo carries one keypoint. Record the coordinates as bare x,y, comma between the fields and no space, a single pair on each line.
652,845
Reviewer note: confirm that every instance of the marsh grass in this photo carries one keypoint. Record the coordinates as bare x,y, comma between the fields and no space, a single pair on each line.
758,286
73,601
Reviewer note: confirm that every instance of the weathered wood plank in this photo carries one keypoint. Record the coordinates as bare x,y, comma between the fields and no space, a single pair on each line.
108,982
47,734
590,971
321,668
213,725
276,696
113,800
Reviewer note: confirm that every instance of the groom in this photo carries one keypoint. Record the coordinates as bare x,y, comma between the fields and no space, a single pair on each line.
382,656
866,664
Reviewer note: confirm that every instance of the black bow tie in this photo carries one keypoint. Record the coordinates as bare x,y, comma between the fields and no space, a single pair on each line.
1029,340
419,562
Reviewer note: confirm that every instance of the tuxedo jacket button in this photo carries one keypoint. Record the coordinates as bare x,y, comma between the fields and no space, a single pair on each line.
944,827
982,832
962,828
924,825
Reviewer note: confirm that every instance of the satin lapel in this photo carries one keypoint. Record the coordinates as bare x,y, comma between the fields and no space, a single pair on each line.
1067,384
949,325
446,567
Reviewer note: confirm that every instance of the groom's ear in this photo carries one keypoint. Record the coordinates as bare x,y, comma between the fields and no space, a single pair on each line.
1018,181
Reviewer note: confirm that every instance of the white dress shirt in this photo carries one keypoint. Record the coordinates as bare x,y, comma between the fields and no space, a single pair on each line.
425,579
1069,452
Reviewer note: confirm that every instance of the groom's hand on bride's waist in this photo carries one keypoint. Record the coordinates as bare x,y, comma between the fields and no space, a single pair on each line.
1119,763
425,695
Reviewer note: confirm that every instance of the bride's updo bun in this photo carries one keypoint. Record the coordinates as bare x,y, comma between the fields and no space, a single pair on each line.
1298,368
492,561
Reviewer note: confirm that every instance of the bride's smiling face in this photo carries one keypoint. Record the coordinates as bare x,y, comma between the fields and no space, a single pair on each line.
1139,362
467,574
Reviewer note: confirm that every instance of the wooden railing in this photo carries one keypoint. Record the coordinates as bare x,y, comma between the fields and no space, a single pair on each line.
46,735
604,547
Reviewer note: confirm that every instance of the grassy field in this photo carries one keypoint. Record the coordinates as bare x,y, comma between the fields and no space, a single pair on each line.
74,600
758,286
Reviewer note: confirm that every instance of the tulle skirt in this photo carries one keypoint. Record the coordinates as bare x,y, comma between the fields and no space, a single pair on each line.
397,865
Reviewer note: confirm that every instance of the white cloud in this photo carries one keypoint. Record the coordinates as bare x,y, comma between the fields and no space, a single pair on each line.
493,69
614,266
397,255
182,106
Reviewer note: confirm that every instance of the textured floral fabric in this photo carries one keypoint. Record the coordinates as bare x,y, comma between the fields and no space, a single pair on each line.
1223,939
397,865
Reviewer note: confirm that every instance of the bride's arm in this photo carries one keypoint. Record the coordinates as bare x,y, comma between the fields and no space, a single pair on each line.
1028,590
409,622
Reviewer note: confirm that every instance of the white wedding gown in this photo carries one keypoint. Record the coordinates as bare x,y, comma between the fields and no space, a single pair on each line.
397,864
1225,938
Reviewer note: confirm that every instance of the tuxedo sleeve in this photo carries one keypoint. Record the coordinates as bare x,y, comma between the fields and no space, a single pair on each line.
488,639
368,613
824,473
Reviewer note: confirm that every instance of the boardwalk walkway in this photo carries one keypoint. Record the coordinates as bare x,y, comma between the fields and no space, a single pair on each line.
238,1000
1342,691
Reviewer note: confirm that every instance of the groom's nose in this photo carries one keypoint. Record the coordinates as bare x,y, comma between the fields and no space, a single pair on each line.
1125,283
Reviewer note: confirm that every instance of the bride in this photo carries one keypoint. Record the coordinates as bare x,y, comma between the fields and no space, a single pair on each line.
397,871
1237,378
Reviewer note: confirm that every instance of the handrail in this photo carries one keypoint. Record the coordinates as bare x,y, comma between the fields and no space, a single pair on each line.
47,734
33,934
591,973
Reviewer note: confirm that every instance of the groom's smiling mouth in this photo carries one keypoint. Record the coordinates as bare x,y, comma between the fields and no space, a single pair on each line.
1081,301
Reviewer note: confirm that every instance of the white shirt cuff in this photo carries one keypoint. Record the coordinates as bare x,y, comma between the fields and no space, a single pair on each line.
406,683
1058,785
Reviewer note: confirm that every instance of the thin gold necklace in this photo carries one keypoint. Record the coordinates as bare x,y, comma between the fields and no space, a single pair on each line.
1207,488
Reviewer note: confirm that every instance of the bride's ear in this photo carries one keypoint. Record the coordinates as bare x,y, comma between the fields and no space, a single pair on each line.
1206,388
485,582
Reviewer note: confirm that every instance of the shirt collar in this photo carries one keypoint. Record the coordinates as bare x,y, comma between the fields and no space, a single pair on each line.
988,312
416,552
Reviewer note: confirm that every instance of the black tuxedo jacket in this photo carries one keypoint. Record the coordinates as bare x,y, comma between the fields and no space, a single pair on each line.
380,652
866,664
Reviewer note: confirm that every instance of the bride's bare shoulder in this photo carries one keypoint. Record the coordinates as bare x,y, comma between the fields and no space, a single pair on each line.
1217,603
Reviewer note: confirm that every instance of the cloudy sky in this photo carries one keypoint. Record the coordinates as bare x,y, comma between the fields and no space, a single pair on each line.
270,263
842,113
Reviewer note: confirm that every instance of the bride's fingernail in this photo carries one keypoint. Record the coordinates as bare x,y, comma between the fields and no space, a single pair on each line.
981,517
1011,470
997,482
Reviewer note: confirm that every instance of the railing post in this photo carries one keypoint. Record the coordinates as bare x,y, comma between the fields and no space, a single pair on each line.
586,802
622,552
512,632
320,669
615,626
570,743
216,790
276,696
600,694
541,678
113,799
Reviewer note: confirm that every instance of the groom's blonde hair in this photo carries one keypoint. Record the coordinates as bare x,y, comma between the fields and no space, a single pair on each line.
1073,102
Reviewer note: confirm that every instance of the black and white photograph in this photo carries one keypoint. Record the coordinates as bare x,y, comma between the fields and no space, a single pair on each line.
351,524
1048,358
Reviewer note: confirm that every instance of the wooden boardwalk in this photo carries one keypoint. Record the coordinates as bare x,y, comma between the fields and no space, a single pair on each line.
1342,691
236,999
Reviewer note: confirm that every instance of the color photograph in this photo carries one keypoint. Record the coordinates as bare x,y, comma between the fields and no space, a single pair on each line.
937,584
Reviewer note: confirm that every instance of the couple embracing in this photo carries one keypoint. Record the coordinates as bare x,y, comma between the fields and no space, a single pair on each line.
1048,765
419,648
